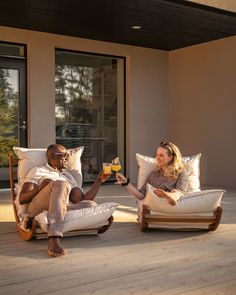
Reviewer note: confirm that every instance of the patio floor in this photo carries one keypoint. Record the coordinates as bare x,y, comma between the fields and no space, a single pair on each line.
123,260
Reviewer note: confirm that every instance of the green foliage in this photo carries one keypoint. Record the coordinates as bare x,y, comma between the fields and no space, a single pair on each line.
74,94
8,117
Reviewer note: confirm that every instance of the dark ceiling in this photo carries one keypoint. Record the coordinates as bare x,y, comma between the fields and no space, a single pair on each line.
166,24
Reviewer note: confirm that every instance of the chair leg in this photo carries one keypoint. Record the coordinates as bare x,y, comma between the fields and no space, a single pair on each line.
106,227
28,234
144,223
217,213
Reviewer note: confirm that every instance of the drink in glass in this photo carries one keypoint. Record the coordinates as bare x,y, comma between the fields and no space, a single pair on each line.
107,168
116,165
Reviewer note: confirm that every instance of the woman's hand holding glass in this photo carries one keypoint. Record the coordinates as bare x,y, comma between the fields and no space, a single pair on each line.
116,166
121,179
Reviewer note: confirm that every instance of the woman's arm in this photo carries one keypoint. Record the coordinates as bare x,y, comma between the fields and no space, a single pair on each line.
131,188
177,192
172,197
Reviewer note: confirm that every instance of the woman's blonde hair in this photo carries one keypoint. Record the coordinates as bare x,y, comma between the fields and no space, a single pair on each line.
176,164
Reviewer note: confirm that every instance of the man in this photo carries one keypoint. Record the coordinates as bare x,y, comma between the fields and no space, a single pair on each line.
50,187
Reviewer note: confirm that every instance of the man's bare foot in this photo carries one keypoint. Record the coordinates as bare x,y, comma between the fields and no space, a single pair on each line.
54,247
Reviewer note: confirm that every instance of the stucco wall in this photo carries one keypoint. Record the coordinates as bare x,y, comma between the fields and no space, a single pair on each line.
202,109
146,88
186,96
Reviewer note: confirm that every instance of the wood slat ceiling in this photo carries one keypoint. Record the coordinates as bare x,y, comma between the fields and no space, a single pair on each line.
166,24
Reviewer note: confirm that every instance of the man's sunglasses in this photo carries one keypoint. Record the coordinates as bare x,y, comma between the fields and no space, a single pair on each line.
60,155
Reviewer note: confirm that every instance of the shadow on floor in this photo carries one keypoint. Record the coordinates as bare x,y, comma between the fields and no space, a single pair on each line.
120,234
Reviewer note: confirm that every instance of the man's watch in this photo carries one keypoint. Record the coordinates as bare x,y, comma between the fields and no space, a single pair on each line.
126,183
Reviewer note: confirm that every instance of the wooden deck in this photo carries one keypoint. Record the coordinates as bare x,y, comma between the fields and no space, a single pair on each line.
123,260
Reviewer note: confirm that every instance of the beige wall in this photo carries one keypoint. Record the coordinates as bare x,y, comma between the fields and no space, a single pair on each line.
146,93
202,109
187,96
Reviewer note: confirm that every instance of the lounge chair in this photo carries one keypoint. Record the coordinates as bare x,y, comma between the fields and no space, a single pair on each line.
38,227
198,209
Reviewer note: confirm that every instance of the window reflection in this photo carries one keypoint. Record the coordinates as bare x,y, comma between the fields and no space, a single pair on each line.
9,97
86,109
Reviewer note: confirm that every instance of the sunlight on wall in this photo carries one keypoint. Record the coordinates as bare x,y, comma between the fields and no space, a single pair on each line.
229,5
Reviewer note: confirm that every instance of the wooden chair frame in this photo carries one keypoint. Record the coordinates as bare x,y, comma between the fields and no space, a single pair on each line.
32,232
147,218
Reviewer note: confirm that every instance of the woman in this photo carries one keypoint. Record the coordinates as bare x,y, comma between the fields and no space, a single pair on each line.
169,179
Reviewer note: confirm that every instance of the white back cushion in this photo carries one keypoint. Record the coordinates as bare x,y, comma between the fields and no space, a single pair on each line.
198,202
32,157
192,165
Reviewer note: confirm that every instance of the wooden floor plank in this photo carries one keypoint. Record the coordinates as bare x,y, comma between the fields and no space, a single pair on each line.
124,260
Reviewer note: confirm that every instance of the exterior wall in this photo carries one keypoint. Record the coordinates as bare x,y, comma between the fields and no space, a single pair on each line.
186,96
202,109
221,4
146,88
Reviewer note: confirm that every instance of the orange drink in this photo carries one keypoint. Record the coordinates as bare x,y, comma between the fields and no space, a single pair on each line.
116,168
107,168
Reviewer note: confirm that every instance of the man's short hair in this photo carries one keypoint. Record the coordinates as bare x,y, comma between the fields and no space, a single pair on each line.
53,147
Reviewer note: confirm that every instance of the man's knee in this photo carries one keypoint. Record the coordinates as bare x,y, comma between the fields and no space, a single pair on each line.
61,189
61,184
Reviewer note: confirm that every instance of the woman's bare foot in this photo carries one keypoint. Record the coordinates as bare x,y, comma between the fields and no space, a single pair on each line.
54,247
163,194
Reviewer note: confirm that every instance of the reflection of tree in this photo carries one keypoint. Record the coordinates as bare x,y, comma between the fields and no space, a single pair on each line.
8,118
73,94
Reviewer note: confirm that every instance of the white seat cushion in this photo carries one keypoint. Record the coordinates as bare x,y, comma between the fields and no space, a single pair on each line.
82,218
198,202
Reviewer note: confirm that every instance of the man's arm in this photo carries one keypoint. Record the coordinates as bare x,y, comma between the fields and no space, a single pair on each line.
30,190
91,193
76,194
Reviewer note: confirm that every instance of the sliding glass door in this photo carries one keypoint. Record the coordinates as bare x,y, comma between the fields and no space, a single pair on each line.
90,107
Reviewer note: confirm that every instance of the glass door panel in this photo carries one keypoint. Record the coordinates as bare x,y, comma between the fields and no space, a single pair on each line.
13,129
89,107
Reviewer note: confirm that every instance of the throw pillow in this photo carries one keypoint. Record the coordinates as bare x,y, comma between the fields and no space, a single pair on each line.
198,202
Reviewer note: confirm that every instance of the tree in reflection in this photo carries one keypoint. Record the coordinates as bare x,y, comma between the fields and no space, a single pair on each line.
8,116
74,94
